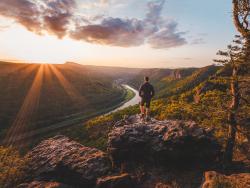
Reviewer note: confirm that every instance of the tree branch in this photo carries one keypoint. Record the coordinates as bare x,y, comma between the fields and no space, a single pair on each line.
239,26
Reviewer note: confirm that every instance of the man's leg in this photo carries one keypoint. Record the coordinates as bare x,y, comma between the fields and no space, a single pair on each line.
142,109
148,110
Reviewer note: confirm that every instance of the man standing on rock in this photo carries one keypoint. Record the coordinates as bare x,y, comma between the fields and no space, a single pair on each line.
146,93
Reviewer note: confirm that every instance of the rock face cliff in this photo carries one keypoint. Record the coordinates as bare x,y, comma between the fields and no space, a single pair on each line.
167,142
67,161
62,162
214,179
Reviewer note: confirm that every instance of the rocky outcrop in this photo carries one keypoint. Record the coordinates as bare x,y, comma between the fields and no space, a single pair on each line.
214,179
67,161
120,181
162,185
177,74
173,142
43,184
62,162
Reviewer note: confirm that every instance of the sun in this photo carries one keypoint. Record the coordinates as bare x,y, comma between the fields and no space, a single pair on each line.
26,46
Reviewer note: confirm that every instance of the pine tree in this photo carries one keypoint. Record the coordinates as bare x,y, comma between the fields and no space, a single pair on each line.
234,59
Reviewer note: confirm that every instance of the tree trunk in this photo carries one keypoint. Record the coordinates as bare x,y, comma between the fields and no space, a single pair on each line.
228,156
248,50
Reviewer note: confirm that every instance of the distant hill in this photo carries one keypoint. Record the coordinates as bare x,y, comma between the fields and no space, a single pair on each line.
36,96
170,82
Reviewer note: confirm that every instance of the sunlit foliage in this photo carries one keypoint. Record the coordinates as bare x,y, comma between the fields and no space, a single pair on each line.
11,167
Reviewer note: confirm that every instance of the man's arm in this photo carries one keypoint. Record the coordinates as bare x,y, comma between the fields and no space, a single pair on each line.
152,91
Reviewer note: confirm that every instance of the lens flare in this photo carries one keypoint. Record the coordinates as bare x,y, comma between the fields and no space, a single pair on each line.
28,108
75,96
18,134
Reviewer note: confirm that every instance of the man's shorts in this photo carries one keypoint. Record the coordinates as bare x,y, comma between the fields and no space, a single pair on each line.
145,101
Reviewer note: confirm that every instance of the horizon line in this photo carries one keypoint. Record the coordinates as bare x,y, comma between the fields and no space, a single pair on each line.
95,65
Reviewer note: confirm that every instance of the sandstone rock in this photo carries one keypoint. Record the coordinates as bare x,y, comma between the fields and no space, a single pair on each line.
162,185
162,141
127,120
43,184
121,181
214,179
67,161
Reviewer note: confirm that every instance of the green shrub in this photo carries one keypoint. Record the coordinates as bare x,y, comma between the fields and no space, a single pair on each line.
11,167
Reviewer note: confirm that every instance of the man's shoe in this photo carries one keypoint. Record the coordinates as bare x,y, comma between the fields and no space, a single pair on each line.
148,118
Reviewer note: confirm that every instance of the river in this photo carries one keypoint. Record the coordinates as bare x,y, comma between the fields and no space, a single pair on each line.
135,100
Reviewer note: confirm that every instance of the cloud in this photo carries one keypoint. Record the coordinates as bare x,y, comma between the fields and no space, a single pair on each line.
57,15
92,4
154,11
198,41
162,32
37,16
22,11
112,31
156,31
167,37
60,18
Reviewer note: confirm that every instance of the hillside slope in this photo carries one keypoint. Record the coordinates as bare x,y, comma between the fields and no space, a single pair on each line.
200,95
169,82
33,96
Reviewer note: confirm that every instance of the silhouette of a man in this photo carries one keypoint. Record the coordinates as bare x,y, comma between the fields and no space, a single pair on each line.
146,93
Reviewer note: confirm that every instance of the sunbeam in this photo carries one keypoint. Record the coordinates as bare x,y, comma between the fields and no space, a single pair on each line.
67,86
28,108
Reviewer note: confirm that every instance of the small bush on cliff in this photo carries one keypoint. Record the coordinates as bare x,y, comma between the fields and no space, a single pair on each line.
222,183
11,167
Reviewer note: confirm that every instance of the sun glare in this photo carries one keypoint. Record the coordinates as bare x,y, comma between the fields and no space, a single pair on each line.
68,88
26,46
31,102
18,133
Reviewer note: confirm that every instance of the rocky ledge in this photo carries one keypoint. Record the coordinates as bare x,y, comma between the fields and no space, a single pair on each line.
44,184
67,161
214,179
62,162
172,142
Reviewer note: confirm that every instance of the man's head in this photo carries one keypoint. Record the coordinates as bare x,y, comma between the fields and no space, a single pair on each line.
146,78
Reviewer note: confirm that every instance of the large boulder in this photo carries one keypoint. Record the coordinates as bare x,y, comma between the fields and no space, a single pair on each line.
174,142
215,179
67,161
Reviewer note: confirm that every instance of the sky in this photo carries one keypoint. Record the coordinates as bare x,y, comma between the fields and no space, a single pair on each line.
127,33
